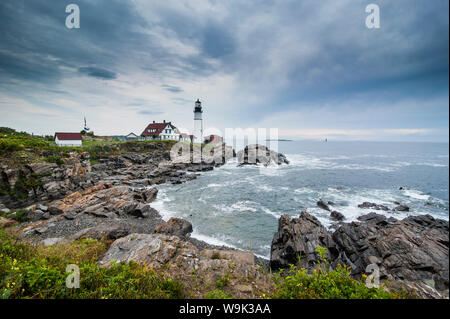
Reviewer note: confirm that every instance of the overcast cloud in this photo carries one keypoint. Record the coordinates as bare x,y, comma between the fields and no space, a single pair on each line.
310,68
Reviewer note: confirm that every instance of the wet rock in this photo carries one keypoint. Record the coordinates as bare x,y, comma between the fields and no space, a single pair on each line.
368,205
323,205
337,216
259,154
401,208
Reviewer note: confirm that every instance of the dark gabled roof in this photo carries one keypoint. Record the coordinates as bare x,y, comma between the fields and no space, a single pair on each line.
158,127
68,136
131,134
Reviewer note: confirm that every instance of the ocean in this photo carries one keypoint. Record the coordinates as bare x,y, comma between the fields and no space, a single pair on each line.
240,206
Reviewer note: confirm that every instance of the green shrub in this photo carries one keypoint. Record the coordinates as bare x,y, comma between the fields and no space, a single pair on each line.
223,281
40,272
9,146
323,283
20,215
55,159
24,184
218,294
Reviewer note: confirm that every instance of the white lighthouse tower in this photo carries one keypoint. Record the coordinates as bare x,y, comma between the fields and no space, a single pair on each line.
198,122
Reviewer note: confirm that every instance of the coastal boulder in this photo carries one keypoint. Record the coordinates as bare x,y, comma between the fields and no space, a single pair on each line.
150,194
254,154
175,226
337,216
296,241
323,205
105,231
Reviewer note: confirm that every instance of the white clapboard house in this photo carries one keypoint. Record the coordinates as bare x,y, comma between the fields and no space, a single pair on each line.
68,139
161,131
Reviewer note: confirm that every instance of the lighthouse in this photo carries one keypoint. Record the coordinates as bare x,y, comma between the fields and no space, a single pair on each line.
198,122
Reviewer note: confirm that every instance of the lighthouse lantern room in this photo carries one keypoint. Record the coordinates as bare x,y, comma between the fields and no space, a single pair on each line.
198,122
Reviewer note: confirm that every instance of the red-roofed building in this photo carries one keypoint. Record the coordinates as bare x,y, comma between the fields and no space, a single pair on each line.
68,139
185,137
161,131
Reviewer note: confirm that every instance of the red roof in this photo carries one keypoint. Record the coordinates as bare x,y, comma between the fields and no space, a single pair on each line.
184,135
158,128
68,136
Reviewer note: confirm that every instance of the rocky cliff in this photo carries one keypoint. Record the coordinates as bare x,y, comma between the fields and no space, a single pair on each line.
43,181
412,252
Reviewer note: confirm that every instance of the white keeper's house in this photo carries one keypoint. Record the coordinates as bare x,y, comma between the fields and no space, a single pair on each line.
68,139
161,131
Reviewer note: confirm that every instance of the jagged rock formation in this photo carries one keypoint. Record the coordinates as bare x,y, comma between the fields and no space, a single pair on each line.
42,181
413,251
259,154
181,259
100,211
144,164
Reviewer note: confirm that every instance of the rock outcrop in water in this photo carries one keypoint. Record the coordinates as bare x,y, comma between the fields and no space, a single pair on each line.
259,154
412,252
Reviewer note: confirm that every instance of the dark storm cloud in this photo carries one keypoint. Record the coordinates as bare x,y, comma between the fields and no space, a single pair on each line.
98,73
217,42
287,54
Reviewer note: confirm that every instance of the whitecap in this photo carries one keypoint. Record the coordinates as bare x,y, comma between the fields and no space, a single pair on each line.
416,194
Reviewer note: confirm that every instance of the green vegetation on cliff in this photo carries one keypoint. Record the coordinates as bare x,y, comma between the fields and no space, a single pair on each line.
40,272
20,148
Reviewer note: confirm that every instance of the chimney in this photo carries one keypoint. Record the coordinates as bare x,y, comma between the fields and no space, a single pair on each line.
164,121
153,121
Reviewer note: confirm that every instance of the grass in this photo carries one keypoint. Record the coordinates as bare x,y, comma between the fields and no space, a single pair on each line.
17,149
21,148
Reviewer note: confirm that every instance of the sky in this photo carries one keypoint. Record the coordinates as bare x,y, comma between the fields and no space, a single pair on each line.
310,68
